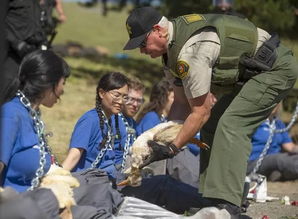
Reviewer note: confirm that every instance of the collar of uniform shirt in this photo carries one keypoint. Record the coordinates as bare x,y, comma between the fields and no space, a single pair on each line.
170,33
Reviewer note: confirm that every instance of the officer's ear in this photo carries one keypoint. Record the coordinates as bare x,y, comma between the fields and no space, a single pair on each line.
163,32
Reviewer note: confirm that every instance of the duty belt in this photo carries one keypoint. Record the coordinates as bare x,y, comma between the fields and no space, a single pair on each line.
263,60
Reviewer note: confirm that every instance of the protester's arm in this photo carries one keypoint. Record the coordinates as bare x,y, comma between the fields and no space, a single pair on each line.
290,147
287,144
72,158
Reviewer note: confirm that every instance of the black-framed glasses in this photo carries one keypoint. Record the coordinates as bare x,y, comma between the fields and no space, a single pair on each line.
144,42
131,100
117,96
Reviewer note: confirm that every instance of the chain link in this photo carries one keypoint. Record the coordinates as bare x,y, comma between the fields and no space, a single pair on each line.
108,146
42,139
272,131
131,137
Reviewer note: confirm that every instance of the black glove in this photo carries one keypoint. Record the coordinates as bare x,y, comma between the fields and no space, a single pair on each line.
159,152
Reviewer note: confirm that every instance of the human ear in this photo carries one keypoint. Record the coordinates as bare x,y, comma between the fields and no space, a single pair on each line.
162,31
101,93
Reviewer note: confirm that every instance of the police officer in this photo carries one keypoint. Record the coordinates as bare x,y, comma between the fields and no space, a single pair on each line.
251,72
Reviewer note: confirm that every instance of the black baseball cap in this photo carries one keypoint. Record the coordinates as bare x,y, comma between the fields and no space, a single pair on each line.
139,23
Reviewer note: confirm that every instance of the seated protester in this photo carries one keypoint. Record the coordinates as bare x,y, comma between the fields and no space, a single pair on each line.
42,76
124,123
24,151
162,190
281,160
158,108
184,166
91,144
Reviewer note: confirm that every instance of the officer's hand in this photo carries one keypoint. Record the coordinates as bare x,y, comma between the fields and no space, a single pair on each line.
159,152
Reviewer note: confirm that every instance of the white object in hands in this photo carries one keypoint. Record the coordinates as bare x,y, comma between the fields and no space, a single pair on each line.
163,134
61,182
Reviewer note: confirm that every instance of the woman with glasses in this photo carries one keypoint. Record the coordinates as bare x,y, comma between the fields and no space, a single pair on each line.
162,190
125,124
92,141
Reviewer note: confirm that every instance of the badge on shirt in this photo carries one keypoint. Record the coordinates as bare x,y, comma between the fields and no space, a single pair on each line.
182,69
190,18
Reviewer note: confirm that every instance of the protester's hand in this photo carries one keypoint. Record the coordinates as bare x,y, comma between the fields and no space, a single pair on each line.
294,150
159,152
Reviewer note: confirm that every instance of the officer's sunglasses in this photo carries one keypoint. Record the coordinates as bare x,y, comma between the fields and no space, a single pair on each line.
144,42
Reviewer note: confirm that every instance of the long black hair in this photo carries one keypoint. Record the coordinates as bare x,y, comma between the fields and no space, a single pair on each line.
158,98
38,71
107,82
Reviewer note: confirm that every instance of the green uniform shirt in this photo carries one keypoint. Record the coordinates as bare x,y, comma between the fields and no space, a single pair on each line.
237,36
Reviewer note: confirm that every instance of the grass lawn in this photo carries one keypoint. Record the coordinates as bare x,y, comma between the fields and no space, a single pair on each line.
88,27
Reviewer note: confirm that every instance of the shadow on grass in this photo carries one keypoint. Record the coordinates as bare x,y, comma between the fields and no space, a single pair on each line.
147,71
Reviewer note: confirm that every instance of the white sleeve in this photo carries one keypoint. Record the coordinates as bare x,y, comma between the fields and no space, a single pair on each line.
200,52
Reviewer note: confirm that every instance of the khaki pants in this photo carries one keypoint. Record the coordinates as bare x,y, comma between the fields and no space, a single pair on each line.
233,120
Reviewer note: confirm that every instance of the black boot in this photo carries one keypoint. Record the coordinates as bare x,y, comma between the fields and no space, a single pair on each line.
234,210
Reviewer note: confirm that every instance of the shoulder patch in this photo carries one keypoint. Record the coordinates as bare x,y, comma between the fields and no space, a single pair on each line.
182,69
190,18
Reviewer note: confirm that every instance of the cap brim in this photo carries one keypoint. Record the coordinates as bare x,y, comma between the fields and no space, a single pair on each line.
135,42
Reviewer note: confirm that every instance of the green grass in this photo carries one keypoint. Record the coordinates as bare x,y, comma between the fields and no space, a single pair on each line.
88,27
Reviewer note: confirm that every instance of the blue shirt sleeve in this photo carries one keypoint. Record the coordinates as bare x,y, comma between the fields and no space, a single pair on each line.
8,135
261,135
84,131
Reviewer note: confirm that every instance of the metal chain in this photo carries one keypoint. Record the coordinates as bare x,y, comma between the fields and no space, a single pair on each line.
42,142
131,137
163,118
107,146
272,131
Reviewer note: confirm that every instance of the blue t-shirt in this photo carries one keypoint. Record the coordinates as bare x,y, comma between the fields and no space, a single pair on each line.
193,148
261,136
19,146
149,120
119,143
152,119
87,135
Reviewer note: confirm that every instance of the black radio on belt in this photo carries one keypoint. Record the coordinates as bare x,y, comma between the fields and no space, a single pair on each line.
262,61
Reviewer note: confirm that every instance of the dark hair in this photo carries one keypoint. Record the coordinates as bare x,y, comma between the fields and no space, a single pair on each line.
107,82
136,84
39,71
158,98
110,81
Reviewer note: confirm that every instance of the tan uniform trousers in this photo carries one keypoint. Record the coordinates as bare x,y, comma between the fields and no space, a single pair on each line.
233,120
